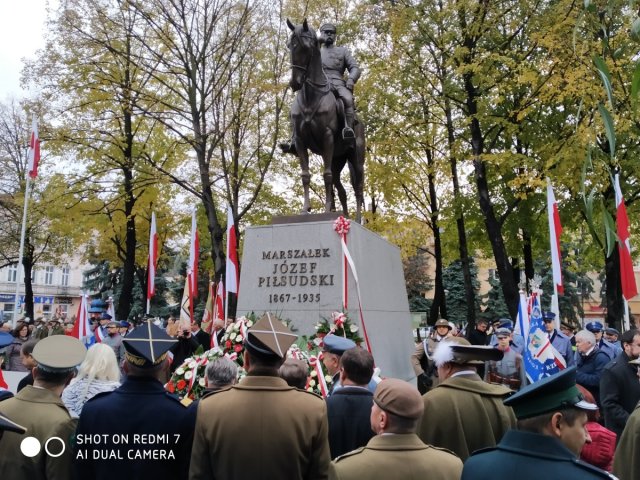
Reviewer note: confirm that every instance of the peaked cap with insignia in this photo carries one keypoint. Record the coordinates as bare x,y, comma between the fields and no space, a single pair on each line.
147,345
270,337
59,353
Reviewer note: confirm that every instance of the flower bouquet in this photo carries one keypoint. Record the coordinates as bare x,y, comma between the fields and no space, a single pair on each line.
313,359
188,380
338,324
232,341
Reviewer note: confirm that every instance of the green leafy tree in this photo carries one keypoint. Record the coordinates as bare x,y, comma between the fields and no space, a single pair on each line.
456,299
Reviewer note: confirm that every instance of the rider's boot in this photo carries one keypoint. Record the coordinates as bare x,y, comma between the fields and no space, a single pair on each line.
347,131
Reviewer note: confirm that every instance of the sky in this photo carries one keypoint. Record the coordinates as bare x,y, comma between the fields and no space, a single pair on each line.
21,34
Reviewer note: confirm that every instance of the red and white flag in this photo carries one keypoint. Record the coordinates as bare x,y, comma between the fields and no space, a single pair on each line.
555,230
231,275
152,262
194,252
81,328
218,305
34,151
627,277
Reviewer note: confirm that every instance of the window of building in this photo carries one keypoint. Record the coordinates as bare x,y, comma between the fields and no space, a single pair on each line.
62,311
34,276
48,275
12,273
66,271
7,313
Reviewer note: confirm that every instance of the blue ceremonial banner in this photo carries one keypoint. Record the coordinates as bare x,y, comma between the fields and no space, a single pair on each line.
540,358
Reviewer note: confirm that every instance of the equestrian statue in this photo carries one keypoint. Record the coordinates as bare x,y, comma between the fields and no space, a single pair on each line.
323,118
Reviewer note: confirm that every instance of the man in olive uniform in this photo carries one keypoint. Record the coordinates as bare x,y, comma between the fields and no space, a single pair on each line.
140,406
464,413
423,366
261,427
552,418
335,60
40,410
396,451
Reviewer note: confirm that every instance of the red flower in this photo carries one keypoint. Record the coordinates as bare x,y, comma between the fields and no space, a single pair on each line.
181,384
171,387
238,348
227,344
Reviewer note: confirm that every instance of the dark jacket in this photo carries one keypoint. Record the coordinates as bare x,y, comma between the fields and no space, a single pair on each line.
528,456
140,406
590,369
204,339
619,393
182,350
26,380
349,411
476,337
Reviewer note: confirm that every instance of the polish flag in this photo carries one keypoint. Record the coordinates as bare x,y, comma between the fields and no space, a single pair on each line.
627,277
152,262
555,230
231,275
194,252
81,328
34,151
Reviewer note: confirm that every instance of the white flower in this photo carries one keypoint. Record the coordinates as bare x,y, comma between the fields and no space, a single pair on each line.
317,341
313,373
318,325
179,371
353,328
188,375
328,378
233,336
310,389
249,324
229,328
192,364
239,337
312,383
201,382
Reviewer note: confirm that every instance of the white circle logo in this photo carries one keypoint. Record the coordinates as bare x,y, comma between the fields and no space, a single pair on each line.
30,447
46,447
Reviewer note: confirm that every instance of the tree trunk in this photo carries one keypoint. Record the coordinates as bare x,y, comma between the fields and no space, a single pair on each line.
439,306
27,263
494,228
462,234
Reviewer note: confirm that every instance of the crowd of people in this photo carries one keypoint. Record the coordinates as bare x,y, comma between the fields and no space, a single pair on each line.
472,409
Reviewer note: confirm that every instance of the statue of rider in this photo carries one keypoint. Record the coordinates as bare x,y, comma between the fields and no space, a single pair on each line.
335,60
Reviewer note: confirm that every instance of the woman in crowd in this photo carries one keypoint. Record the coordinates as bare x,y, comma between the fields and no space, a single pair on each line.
599,452
98,373
20,335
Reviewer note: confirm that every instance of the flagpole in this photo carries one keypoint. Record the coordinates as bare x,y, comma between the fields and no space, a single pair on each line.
226,305
23,234
626,326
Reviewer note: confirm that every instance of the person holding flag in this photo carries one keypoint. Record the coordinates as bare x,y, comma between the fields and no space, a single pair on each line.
541,359
560,341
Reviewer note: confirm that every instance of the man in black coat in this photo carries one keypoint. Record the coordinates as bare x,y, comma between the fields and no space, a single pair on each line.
619,386
349,408
151,441
201,336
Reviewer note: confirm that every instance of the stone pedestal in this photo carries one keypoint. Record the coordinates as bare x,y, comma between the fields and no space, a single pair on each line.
295,271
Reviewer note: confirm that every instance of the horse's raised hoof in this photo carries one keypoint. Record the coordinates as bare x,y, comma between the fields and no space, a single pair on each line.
347,133
288,148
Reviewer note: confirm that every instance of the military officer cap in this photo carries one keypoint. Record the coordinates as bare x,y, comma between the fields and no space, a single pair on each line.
105,316
399,398
337,344
113,324
594,326
443,323
548,317
549,394
124,323
327,26
269,337
503,332
97,306
8,425
611,331
458,350
147,345
59,353
506,323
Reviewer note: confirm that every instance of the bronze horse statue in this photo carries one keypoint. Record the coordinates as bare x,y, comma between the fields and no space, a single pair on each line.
317,123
